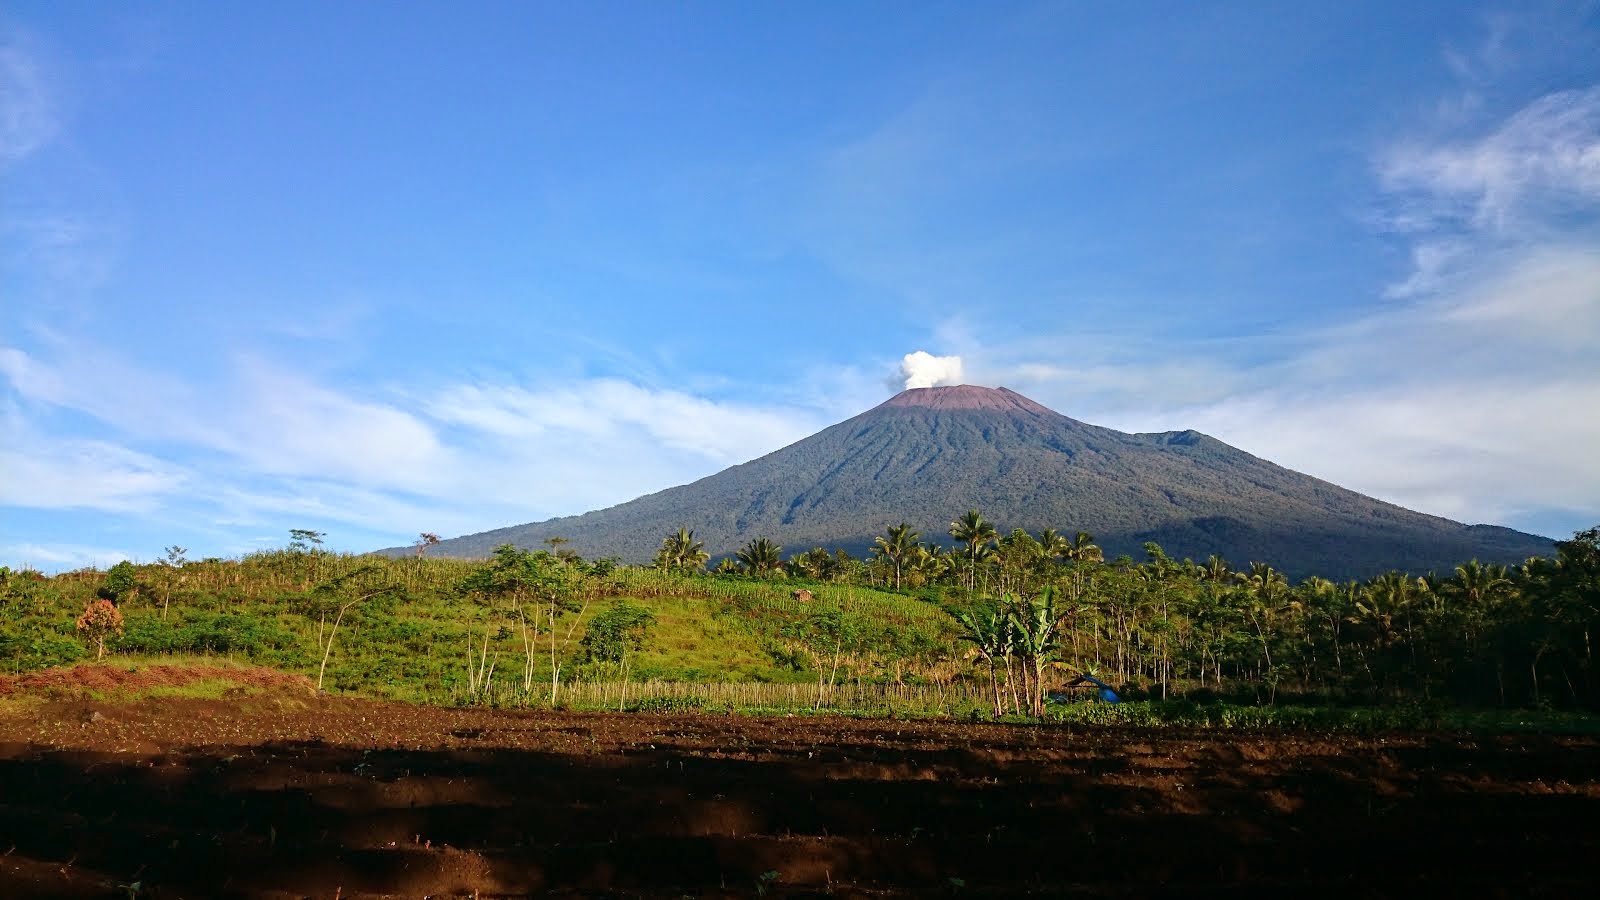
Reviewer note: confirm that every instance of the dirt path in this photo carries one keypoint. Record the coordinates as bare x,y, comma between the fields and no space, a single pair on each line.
306,798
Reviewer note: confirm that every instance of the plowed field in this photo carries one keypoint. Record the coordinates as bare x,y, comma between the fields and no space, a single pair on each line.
282,797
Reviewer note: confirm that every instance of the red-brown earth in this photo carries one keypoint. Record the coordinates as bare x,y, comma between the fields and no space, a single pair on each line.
281,794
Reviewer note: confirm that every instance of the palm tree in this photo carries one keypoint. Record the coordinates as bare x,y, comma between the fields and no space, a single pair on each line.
760,557
1384,598
929,562
681,552
977,533
816,563
1480,583
1265,588
1081,551
1053,544
1215,569
896,546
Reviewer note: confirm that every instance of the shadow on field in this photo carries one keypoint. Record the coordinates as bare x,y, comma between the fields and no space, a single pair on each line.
1001,813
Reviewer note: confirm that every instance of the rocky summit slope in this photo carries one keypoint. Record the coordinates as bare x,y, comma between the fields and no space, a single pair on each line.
928,454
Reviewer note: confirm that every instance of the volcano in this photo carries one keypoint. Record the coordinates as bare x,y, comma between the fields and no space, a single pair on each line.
927,455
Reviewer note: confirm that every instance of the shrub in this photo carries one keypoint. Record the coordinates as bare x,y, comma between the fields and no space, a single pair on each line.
100,620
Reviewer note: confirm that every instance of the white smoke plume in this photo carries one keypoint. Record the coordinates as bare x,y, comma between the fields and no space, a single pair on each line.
922,369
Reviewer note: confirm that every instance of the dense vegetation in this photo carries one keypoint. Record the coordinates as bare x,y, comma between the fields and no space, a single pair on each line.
994,623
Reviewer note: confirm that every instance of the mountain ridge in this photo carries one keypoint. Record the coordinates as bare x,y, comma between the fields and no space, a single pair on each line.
926,455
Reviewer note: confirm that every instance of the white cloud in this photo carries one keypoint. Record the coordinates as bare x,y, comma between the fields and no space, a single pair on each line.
1471,396
278,421
921,369
28,116
59,557
1545,156
85,475
607,408
57,473
289,424
1480,451
266,443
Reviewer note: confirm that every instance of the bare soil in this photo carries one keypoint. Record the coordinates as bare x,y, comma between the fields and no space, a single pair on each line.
284,795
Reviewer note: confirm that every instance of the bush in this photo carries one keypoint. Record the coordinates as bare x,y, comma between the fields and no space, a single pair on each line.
100,620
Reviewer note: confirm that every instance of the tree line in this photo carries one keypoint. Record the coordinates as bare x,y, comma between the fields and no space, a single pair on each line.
1032,605
1016,612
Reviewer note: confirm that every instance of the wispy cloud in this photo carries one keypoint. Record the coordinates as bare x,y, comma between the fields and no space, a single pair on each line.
1544,160
268,443
1470,395
59,557
65,473
28,113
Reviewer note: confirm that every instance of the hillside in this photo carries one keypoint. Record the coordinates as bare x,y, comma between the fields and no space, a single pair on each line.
926,455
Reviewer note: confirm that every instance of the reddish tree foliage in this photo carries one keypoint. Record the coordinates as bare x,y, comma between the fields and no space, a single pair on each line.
424,541
99,620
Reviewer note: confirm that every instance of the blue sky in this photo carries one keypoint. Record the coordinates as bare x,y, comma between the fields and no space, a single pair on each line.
376,269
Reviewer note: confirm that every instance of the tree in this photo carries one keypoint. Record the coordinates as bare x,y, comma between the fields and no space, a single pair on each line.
616,631
519,576
1017,555
559,549
426,541
680,552
816,564
991,633
170,564
613,635
1082,552
100,620
305,540
760,557
977,533
897,546
340,595
1215,570
1053,544
1038,635
928,563
823,632
122,582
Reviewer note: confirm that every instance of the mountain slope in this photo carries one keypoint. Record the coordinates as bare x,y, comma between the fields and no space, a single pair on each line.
926,455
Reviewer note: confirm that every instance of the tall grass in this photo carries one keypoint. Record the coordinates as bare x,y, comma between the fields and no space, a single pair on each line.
863,698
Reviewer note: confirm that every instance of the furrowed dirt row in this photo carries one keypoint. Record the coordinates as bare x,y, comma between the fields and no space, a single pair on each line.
325,798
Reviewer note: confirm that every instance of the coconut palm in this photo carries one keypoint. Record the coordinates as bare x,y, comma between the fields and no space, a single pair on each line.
1480,584
896,546
1082,551
760,557
1053,544
681,552
1216,569
978,534
816,563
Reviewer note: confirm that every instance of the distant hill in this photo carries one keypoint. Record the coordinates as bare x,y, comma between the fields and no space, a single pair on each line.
927,455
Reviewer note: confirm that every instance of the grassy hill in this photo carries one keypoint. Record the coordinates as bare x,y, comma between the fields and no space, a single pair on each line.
411,643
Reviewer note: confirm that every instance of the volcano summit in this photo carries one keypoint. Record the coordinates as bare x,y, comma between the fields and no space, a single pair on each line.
927,455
